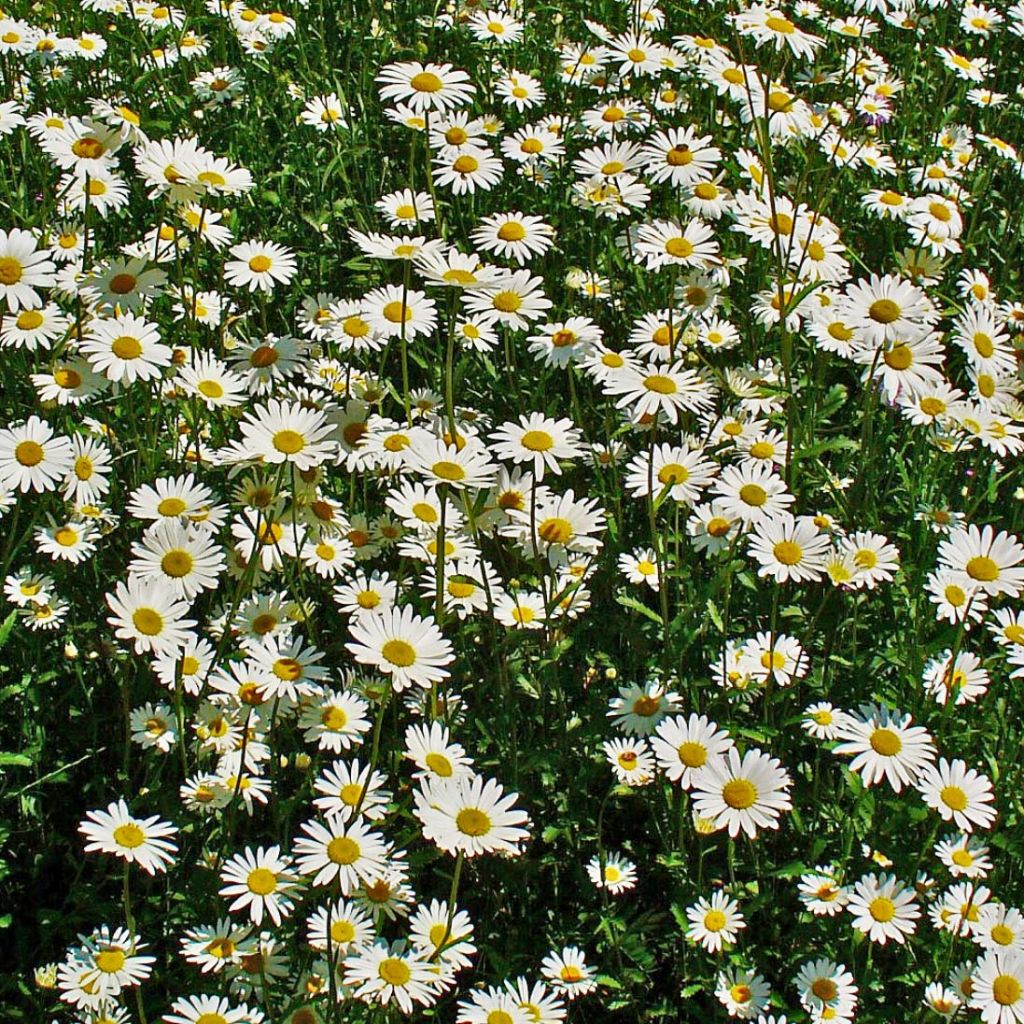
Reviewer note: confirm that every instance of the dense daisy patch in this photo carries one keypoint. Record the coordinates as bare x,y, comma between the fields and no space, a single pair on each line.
511,514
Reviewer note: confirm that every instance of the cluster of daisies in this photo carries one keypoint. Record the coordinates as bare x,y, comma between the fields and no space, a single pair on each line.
594,341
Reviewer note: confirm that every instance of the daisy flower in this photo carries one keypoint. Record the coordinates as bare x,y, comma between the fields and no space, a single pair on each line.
742,794
883,908
382,974
408,648
960,794
287,432
23,268
997,987
617,876
125,349
885,746
259,266
470,815
538,439
744,994
348,854
260,881
147,613
142,841
682,746
425,88
435,755
33,458
714,922
568,973
789,549
514,235
985,559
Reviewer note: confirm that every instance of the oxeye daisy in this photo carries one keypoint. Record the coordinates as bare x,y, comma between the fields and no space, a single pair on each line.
260,881
682,746
745,793
960,794
32,457
342,925
183,556
744,994
23,268
884,909
142,841
147,613
408,648
568,972
714,922
125,348
985,559
666,243
211,1010
997,987
287,432
349,790
338,852
425,87
617,876
885,746
470,815
789,549
381,974
538,439
433,752
514,235
259,265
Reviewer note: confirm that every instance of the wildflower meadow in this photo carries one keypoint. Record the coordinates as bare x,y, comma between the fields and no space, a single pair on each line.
511,513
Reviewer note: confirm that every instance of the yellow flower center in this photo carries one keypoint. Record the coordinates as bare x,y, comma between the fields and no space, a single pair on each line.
471,821
739,794
148,621
399,653
343,850
884,311
126,347
261,881
177,563
983,569
882,909
130,836
885,742
426,81
259,264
